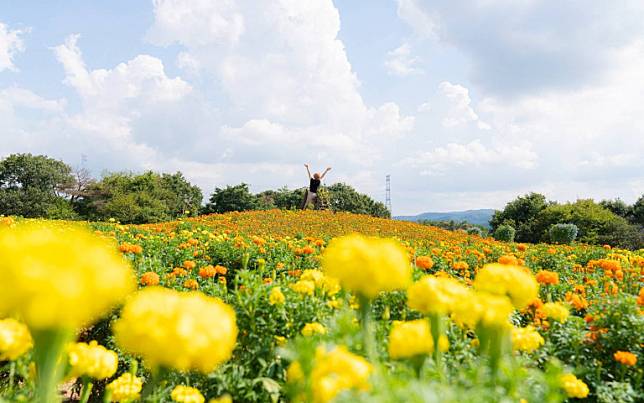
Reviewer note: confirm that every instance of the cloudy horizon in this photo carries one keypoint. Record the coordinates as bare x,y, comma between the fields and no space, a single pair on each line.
466,104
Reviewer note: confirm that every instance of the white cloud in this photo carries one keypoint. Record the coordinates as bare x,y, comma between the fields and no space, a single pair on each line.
11,43
21,97
519,46
283,69
419,19
460,110
400,62
112,98
472,155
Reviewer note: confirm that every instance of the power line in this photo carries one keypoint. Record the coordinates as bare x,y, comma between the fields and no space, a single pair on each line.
388,193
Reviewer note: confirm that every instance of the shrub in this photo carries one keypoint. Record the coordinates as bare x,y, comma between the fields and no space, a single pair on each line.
563,233
504,233
475,231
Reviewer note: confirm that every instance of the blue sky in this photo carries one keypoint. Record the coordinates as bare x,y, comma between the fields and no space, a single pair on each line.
467,104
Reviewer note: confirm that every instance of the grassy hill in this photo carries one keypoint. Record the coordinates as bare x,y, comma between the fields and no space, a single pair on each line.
479,217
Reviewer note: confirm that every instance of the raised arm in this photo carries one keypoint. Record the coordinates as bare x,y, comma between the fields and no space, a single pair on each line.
307,170
324,173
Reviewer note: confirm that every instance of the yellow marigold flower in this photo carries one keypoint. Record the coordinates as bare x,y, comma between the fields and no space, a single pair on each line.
338,370
433,294
125,388
312,275
294,372
556,311
487,309
186,394
310,329
183,331
304,287
367,265
276,297
626,358
91,360
407,339
330,285
15,339
280,340
526,339
513,281
221,399
574,387
59,277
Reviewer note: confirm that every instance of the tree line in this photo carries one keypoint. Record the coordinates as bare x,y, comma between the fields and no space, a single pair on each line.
533,218
37,186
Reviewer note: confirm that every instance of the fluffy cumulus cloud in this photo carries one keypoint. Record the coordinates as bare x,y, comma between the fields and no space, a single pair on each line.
11,43
529,45
287,79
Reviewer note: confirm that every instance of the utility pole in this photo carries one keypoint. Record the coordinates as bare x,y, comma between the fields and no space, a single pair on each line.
388,193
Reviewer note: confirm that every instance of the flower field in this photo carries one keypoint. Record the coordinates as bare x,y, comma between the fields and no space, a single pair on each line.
269,306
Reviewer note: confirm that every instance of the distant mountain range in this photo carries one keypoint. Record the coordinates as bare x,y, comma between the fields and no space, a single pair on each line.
480,216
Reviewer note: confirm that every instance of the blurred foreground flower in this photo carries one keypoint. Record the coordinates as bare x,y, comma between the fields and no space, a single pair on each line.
184,331
186,394
367,265
15,339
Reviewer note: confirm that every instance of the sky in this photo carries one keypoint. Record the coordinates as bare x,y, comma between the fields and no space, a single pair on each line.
466,104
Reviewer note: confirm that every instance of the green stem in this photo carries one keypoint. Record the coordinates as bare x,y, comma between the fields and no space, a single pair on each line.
48,348
87,390
436,327
12,374
367,329
150,386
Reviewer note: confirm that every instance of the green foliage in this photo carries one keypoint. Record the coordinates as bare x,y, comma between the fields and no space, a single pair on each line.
282,198
563,233
591,219
33,186
345,198
472,229
144,198
232,198
521,214
637,211
504,233
618,207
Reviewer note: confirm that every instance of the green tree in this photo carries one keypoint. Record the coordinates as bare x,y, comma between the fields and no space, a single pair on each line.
618,207
232,198
637,210
521,214
593,220
143,198
343,197
34,186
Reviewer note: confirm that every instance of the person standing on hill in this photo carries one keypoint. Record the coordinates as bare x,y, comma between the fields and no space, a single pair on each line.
311,195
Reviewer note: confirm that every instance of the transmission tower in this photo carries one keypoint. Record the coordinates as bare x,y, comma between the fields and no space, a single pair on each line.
388,193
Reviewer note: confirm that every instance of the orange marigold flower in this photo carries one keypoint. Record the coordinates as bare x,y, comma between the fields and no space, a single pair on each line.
424,262
461,266
522,247
191,284
547,277
179,271
509,259
221,270
640,298
189,264
207,272
307,250
626,358
149,278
